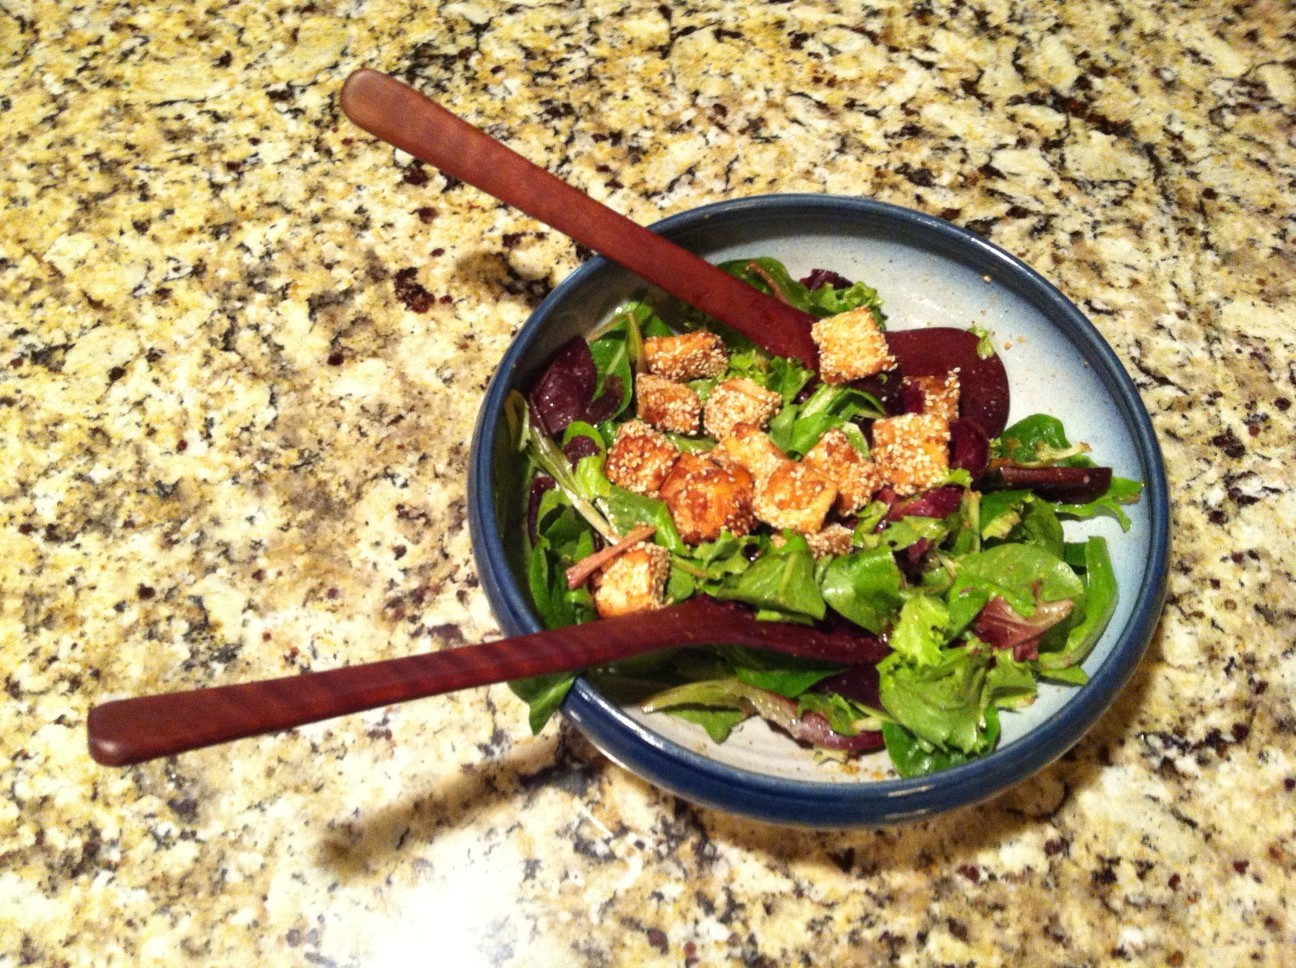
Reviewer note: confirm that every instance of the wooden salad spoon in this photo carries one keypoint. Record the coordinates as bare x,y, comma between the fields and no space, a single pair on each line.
403,117
127,731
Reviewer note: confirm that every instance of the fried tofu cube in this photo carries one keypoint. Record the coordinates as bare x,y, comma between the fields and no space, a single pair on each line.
666,405
633,581
794,496
940,394
831,539
736,401
750,447
851,346
705,498
639,458
856,477
912,451
689,356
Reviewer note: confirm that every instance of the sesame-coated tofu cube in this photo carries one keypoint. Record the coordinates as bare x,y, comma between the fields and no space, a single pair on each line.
795,496
912,451
689,356
851,346
666,405
633,581
831,539
856,477
750,447
736,401
940,394
639,458
706,498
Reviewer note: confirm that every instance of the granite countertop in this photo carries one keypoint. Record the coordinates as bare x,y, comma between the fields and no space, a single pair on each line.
243,346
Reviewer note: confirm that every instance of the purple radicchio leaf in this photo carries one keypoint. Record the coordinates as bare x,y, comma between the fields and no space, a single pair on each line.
563,392
1002,628
935,503
818,278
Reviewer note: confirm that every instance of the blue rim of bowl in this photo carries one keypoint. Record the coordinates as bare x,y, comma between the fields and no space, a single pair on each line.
823,804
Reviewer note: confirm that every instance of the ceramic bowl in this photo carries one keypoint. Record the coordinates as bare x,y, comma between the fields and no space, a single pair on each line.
928,272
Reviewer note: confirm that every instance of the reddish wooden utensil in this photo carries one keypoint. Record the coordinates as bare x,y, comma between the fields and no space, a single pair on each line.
128,731
403,117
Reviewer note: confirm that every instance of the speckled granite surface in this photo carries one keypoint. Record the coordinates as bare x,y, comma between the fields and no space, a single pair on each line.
242,349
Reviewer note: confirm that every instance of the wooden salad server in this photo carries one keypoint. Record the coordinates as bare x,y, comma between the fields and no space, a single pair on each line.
403,117
127,731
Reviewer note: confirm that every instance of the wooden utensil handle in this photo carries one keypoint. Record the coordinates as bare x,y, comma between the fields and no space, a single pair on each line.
128,731
403,117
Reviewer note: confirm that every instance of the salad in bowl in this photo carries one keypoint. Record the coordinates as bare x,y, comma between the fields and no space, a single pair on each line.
881,497
917,659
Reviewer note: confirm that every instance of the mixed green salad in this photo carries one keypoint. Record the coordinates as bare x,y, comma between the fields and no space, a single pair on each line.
961,586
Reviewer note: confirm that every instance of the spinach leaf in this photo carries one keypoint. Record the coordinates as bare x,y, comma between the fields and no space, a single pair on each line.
1017,573
864,587
1099,604
1040,440
780,581
786,675
718,723
1001,511
626,510
612,360
544,694
797,427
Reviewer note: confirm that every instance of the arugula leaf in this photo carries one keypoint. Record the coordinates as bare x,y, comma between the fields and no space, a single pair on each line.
863,587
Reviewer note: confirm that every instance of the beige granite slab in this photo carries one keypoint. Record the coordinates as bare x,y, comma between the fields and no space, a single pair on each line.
241,350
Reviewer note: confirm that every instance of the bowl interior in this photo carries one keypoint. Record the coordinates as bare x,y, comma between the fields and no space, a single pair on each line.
928,273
